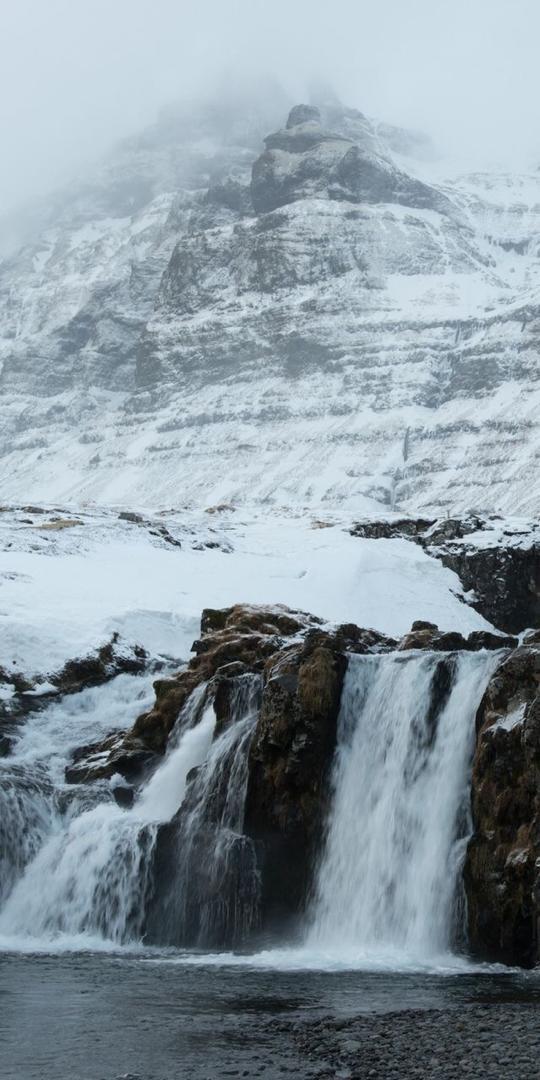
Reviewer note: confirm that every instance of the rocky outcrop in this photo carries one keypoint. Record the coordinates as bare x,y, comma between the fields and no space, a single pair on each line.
504,581
306,160
502,865
25,694
497,563
424,635
233,641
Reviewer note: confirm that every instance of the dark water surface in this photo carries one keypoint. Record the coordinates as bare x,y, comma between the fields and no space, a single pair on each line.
99,1017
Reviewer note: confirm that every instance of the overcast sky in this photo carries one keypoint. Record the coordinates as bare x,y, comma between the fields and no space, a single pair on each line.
77,74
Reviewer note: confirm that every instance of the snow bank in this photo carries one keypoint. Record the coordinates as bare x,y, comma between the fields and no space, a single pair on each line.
110,576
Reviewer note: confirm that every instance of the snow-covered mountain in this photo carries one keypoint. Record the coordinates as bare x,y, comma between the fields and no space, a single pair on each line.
309,320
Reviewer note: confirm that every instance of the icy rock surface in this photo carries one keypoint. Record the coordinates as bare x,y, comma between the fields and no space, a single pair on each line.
319,322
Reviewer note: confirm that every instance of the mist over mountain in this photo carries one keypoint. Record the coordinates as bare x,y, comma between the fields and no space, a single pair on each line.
292,304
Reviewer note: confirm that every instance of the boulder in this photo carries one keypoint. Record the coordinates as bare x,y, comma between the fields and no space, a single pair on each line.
428,636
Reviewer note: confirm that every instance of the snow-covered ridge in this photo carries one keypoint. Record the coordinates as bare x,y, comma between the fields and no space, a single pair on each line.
69,581
342,331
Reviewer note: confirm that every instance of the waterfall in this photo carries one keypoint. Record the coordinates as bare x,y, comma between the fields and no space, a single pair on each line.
27,811
176,868
92,875
35,803
387,881
89,870
207,878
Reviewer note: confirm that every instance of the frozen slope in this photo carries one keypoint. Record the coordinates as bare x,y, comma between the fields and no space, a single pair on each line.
319,324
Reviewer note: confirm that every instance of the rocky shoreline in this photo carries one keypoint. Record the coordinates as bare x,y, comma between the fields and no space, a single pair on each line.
495,1041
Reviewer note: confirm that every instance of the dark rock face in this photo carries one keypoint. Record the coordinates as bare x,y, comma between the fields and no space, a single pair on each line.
424,635
501,872
505,582
305,160
290,759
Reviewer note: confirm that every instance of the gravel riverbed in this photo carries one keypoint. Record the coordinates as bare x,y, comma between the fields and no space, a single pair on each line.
492,1041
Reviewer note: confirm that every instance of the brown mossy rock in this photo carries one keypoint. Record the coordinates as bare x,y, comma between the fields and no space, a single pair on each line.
424,635
276,619
233,641
501,877
289,772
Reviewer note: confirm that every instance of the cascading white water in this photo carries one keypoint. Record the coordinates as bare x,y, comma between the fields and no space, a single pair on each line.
27,811
387,880
89,870
92,873
35,803
211,896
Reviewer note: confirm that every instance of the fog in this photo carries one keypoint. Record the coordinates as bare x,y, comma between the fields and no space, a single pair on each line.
77,74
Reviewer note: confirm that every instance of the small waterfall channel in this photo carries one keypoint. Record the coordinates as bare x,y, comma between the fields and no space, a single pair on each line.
177,869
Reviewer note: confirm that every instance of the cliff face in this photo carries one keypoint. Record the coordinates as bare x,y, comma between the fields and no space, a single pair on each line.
317,322
501,869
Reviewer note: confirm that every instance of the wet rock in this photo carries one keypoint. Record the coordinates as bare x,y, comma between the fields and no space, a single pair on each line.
5,745
428,636
124,795
101,760
501,873
110,660
288,789
485,639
